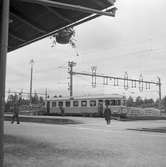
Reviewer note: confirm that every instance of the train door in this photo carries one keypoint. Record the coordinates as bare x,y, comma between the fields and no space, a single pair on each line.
100,108
48,107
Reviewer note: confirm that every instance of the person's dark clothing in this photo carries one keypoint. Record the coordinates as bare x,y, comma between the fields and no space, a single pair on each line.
15,114
107,115
62,110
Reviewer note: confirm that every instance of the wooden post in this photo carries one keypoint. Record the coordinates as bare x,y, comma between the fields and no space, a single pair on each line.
4,25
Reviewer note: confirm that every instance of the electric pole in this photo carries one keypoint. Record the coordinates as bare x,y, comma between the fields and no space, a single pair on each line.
30,95
46,95
159,84
71,64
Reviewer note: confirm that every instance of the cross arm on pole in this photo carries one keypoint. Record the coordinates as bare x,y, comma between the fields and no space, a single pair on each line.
112,77
12,35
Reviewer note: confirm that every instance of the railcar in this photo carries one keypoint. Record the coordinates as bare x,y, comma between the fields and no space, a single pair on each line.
87,106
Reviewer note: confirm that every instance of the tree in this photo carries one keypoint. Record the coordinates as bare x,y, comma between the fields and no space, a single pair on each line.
139,101
149,103
157,103
163,102
130,102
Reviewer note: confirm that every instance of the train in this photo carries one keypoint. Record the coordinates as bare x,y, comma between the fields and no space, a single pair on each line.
87,105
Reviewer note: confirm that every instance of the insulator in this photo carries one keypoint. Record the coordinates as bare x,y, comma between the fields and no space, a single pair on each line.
94,68
126,86
147,86
93,81
133,84
141,85
105,81
116,82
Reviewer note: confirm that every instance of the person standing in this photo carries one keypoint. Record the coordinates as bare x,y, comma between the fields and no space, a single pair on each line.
107,114
62,110
15,112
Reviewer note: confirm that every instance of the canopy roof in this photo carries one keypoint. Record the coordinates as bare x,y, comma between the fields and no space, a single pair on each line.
31,20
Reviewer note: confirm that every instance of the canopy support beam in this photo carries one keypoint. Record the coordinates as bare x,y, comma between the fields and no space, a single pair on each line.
16,37
4,29
25,21
53,11
69,6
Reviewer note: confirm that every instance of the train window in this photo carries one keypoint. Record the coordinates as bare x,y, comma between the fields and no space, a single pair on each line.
75,103
107,102
67,103
100,101
113,103
118,102
60,103
83,103
93,103
54,104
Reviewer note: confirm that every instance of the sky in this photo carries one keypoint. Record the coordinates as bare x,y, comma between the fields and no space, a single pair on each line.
133,42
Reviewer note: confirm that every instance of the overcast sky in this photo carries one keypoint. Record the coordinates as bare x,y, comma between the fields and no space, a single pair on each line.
133,42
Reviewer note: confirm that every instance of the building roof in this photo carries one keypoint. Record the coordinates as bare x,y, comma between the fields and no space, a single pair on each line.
31,20
106,96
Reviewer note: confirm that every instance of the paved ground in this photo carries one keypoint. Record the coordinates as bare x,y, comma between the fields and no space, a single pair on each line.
92,144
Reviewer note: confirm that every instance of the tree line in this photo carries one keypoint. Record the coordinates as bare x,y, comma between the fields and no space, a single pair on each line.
22,101
139,102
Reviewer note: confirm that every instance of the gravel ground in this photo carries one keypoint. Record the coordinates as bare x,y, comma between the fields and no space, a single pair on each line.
87,145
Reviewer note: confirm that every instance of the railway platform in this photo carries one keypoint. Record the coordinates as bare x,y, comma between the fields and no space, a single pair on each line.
45,119
73,119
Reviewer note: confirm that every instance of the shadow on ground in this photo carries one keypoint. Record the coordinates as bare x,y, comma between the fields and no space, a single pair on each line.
159,130
46,120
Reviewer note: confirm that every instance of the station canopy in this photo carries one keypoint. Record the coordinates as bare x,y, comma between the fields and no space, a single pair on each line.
31,20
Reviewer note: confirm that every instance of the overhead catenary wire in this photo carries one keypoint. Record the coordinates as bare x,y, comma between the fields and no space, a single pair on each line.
128,82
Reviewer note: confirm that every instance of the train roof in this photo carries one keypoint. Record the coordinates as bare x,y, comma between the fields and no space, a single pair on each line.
110,96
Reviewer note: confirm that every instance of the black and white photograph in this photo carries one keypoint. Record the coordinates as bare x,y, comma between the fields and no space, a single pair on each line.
82,83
